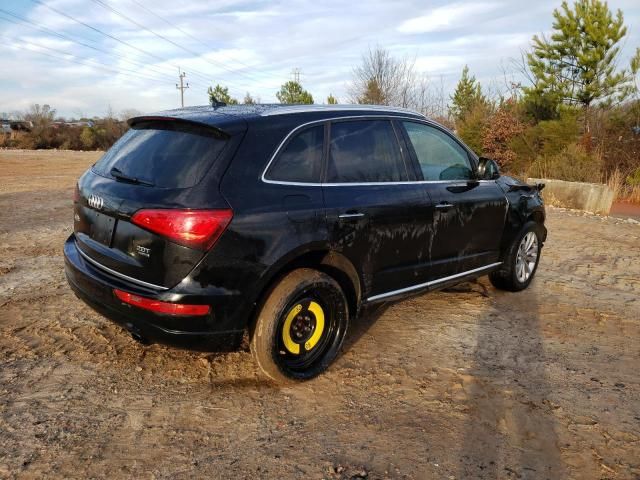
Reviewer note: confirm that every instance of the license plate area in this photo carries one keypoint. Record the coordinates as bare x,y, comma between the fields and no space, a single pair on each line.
102,227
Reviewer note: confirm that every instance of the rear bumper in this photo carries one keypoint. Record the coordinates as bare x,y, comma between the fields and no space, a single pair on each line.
95,288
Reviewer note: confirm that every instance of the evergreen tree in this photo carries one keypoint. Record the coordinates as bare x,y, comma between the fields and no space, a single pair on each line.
467,96
292,92
373,94
472,126
577,65
221,94
331,100
248,99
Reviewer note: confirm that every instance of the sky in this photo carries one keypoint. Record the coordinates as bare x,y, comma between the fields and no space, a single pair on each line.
108,62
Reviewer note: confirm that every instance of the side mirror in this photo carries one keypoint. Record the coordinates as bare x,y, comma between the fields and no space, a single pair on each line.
488,169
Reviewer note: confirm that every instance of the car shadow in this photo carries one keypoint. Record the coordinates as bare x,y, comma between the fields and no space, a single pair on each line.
510,426
509,430
360,325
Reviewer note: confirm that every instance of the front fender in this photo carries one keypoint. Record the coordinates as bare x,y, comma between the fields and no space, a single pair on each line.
525,204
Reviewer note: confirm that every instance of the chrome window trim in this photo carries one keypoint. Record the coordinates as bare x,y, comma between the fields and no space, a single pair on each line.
430,283
424,121
118,274
373,184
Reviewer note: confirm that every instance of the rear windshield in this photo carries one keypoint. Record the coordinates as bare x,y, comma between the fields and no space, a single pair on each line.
163,154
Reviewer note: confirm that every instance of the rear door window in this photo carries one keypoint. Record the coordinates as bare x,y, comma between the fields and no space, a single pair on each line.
164,154
440,156
364,151
301,158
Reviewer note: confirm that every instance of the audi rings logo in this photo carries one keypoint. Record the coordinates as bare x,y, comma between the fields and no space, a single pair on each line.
96,202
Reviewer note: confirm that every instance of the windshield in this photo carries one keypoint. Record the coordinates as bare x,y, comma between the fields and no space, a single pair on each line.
162,154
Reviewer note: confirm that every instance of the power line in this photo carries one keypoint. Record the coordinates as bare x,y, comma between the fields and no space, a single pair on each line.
133,73
43,29
39,2
196,39
17,19
97,30
76,60
208,80
168,40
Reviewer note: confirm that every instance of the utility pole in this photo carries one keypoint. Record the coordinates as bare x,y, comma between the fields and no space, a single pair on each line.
296,75
182,87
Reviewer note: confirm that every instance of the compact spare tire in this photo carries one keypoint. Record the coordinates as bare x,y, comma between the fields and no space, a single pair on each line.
300,327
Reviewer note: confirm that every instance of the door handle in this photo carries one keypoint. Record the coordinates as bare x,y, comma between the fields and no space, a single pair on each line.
444,206
352,215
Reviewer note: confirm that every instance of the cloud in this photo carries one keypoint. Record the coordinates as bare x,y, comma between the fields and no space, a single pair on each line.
450,17
252,46
434,64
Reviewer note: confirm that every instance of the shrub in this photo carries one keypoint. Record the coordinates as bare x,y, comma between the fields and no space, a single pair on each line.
472,127
573,163
634,179
503,127
549,138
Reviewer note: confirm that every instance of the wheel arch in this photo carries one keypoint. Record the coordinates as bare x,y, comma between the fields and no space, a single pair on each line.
536,216
325,260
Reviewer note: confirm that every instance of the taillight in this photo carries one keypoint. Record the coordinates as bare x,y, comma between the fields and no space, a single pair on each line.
161,307
192,228
76,194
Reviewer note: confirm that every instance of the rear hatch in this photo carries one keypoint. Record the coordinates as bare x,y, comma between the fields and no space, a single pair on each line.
141,211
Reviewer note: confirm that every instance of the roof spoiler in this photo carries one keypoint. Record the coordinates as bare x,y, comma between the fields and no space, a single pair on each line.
182,121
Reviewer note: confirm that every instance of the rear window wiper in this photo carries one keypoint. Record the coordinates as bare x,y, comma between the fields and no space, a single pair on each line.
123,177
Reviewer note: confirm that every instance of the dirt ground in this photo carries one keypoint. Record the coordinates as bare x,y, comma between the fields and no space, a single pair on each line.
468,383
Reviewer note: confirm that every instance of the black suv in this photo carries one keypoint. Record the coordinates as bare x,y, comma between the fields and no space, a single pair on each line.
201,224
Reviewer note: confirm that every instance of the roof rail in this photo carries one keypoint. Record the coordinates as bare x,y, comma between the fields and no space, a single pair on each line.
284,109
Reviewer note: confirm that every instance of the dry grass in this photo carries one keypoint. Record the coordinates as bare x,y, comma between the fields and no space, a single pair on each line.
632,194
573,164
624,191
616,182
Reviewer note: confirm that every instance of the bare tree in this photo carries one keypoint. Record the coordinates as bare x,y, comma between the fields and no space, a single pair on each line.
16,115
128,113
384,80
40,115
431,98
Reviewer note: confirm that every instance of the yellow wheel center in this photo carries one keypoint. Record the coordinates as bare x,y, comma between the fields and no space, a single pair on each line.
298,323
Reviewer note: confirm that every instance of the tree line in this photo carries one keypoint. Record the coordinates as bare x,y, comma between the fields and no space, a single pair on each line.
39,127
576,115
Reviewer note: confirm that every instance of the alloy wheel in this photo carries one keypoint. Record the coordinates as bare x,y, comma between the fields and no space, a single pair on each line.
527,257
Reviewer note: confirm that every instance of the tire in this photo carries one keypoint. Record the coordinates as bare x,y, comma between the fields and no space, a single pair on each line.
301,326
515,275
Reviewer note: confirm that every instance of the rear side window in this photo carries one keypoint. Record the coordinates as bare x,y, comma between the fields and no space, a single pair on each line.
164,154
364,151
301,158
439,155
